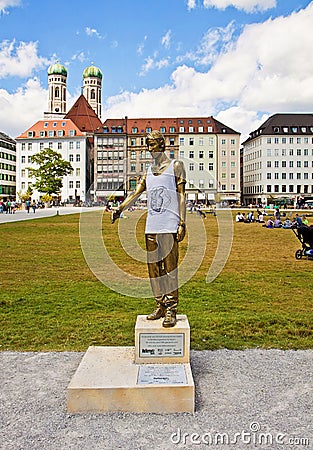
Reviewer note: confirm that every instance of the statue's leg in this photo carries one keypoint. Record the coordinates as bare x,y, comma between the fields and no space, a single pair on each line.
169,248
156,272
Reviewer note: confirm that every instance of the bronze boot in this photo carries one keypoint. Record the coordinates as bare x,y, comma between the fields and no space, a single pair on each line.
170,314
159,310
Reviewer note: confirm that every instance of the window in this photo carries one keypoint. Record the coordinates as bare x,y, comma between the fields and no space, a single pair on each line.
60,133
78,184
162,129
133,155
276,164
59,145
232,175
41,146
232,142
210,166
291,188
223,141
290,163
50,133
191,166
191,141
172,141
148,129
172,154
71,158
181,141
223,187
201,142
71,184
172,130
283,164
298,151
181,153
132,185
77,158
298,163
223,175
233,164
268,164
71,145
268,175
77,145
276,175
29,146
190,129
210,154
223,164
233,187
134,130
269,188
133,141
23,159
201,166
201,154
268,140
133,167
276,188
191,154
181,129
291,176
200,129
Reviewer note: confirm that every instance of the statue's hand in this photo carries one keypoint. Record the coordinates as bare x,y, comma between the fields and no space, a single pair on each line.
115,215
181,231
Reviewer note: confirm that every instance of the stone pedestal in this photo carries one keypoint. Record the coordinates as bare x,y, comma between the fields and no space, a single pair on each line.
152,377
158,345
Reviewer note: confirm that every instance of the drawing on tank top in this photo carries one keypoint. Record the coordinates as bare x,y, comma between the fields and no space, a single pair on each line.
160,199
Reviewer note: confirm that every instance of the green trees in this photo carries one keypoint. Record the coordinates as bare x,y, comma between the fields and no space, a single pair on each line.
51,168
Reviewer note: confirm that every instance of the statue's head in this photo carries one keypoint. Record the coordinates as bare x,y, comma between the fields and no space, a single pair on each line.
158,137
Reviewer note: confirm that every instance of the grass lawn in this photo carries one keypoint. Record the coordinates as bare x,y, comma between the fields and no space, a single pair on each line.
50,300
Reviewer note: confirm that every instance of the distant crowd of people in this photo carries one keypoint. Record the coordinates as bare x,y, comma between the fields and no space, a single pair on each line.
273,221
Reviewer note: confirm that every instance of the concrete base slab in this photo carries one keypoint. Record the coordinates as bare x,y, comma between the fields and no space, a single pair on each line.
108,380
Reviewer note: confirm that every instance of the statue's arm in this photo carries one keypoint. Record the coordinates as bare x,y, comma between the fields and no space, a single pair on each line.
180,175
130,200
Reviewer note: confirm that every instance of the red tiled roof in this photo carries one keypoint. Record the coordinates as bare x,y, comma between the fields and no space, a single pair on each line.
84,116
47,125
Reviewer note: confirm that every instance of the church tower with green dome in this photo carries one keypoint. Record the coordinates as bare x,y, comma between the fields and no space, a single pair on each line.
92,88
57,77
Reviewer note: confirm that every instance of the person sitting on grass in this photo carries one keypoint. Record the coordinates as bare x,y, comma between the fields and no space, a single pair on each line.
287,224
269,223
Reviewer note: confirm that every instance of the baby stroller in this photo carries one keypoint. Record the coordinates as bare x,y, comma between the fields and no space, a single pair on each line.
305,236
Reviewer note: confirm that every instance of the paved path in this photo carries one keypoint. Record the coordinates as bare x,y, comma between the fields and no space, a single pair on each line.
45,212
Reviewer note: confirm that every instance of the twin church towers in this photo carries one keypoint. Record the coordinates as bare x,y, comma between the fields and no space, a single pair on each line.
57,78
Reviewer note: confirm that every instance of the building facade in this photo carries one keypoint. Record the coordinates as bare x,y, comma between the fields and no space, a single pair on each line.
7,167
63,136
278,161
209,150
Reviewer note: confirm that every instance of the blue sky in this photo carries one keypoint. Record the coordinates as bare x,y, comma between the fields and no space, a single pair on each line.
239,60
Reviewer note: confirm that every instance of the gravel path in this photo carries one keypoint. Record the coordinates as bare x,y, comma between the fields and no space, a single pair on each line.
254,399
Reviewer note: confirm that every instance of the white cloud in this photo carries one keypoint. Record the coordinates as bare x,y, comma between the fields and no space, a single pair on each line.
4,4
92,32
267,70
215,41
81,57
166,39
31,97
20,60
191,4
248,6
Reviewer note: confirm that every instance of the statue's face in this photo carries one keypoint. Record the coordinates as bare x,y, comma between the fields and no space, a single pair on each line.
154,147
